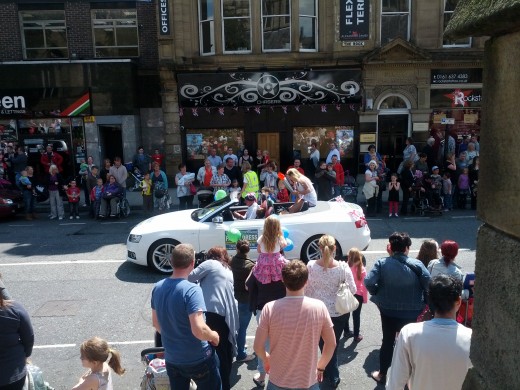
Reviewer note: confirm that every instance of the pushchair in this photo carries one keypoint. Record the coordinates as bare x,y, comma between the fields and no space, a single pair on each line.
135,175
204,196
162,199
349,190
155,376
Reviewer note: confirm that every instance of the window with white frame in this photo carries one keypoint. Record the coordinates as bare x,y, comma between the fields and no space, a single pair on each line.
449,7
395,20
276,25
115,32
207,26
44,34
308,25
236,26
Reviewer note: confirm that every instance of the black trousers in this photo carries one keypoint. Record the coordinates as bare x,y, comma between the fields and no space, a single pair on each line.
390,326
224,349
356,317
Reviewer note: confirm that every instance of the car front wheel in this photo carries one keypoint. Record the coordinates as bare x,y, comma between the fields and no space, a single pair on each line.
159,255
311,250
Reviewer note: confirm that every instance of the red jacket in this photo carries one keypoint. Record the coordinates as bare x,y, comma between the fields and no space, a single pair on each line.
73,194
55,159
340,174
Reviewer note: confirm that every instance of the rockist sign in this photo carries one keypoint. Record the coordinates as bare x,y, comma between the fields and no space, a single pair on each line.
10,105
456,98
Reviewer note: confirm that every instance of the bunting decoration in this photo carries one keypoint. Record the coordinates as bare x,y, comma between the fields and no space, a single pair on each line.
338,107
208,110
323,108
297,108
284,108
195,111
257,110
221,111
235,109
181,112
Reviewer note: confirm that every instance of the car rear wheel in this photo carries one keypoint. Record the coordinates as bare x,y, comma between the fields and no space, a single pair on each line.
159,255
311,250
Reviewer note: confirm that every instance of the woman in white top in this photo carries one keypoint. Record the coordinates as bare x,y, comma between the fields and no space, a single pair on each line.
446,264
99,358
325,276
303,190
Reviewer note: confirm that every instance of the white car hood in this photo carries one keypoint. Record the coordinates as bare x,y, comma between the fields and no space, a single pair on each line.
176,220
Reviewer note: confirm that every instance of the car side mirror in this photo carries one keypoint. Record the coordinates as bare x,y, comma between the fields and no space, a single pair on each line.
217,219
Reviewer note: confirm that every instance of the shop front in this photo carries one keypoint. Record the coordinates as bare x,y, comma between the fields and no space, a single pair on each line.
278,111
70,106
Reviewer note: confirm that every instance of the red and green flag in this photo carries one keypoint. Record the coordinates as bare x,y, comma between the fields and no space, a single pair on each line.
78,106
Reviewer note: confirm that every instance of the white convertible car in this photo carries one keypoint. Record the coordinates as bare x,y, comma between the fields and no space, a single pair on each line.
151,241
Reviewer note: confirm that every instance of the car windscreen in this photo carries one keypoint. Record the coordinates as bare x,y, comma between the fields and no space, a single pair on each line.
199,214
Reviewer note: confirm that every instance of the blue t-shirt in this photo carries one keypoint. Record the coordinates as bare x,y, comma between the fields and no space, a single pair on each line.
174,300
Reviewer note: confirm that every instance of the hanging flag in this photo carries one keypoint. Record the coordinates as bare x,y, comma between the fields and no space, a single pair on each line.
323,108
195,111
257,110
221,111
284,108
78,106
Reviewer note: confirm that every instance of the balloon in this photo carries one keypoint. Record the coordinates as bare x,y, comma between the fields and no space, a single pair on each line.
290,245
281,176
220,194
285,232
233,235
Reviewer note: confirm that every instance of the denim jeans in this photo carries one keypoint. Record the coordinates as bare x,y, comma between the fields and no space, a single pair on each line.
206,374
332,371
272,386
244,316
390,326
28,199
260,366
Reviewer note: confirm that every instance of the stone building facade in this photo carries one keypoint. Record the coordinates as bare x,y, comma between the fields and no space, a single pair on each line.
395,74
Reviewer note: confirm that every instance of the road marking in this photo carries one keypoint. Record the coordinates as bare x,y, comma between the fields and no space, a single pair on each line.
72,223
33,263
464,216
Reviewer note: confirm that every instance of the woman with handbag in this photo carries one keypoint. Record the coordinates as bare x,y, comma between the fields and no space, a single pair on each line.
326,276
397,285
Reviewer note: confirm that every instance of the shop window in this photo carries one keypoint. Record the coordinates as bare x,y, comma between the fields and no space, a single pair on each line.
308,25
392,102
323,135
115,32
206,27
395,20
199,141
276,25
44,34
236,26
449,8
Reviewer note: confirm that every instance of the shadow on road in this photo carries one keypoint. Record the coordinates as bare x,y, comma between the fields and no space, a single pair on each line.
133,273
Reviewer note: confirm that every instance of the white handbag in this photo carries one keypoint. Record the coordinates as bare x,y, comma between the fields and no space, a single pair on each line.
346,302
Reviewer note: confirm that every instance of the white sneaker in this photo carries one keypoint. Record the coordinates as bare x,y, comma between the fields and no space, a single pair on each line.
52,217
60,218
396,215
77,216
71,217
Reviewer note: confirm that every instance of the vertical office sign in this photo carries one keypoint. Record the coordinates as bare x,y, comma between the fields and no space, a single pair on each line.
164,17
354,20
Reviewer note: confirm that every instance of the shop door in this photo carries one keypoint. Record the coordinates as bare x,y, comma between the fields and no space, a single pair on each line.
392,133
111,142
270,142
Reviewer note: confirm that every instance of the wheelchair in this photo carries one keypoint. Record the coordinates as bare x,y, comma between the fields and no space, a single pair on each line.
122,209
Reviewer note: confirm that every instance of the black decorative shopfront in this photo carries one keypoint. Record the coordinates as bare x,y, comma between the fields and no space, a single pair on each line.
282,111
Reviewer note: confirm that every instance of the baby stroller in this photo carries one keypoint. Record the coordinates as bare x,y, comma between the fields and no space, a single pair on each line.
161,197
155,376
349,190
136,176
204,196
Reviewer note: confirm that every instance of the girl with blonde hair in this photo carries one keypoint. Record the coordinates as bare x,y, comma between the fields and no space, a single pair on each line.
99,358
303,189
265,281
355,261
325,276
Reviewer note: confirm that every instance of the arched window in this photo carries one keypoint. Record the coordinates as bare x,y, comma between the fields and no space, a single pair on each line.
392,102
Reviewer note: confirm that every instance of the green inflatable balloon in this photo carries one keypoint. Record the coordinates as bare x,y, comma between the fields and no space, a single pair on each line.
220,194
233,235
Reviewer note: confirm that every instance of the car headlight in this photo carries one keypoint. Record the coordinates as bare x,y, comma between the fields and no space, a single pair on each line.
5,201
134,238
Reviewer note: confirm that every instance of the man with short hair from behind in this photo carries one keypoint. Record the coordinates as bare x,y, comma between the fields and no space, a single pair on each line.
433,354
178,315
294,325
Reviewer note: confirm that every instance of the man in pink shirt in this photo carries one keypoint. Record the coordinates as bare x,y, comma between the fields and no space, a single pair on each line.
294,325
